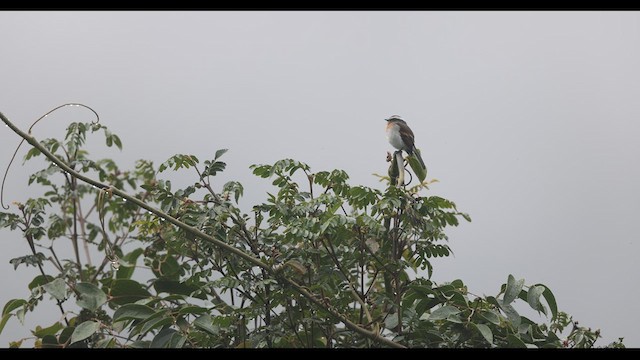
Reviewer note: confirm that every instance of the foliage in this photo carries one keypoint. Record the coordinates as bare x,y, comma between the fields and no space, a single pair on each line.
363,253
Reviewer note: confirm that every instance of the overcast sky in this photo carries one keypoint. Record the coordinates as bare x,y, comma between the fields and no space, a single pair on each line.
529,120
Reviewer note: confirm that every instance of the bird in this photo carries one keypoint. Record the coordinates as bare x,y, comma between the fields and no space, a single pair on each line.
401,137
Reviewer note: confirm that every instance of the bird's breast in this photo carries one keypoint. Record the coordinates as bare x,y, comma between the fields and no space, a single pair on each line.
393,135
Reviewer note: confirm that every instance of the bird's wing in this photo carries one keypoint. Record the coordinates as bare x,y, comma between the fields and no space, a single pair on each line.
407,137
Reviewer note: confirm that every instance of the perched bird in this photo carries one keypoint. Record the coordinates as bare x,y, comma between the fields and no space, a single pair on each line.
401,137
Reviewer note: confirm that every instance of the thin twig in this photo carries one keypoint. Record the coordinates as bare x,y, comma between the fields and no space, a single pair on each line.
6,172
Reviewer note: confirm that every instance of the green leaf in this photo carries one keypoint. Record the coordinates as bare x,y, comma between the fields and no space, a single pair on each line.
178,161
372,244
173,287
65,335
420,172
20,314
49,341
551,301
132,311
192,310
128,264
116,141
156,323
57,288
220,153
32,153
4,320
485,331
12,305
513,289
234,187
39,281
391,322
393,171
106,343
443,312
491,317
167,267
211,168
125,291
140,344
16,344
205,323
533,297
176,341
424,305
125,272
515,342
163,338
90,296
51,330
84,330
512,314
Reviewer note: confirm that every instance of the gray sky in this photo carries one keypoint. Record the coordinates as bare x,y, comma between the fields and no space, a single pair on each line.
527,119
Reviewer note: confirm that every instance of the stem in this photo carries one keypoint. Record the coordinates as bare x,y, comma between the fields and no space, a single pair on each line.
396,274
267,310
400,162
310,178
33,250
105,260
56,262
74,236
292,325
83,233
